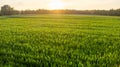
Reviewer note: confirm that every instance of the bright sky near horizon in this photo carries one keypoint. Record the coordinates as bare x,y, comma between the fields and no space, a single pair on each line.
62,4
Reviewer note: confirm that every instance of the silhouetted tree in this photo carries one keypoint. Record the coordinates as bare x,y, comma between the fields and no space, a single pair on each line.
6,10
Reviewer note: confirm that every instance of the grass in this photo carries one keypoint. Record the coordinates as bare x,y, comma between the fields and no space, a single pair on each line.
59,41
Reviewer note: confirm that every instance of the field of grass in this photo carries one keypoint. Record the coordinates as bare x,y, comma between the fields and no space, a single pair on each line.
59,41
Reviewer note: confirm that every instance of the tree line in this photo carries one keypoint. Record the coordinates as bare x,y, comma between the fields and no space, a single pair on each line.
8,10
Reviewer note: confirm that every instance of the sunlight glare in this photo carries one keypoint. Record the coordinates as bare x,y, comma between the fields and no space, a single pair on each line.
56,4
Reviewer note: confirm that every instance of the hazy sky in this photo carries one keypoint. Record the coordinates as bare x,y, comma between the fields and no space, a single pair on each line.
62,4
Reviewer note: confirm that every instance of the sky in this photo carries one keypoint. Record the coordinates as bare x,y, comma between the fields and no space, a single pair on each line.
62,4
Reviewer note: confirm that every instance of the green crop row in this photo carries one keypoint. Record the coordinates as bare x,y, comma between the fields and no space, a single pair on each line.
59,41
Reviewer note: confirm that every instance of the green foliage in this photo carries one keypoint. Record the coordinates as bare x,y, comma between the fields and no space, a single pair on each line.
59,41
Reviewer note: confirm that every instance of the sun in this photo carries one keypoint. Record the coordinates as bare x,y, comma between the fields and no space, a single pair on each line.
56,4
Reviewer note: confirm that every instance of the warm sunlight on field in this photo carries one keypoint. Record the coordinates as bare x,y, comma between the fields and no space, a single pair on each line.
60,33
50,40
56,4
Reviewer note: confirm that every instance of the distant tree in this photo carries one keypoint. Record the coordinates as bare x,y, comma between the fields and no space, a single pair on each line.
118,12
0,13
6,10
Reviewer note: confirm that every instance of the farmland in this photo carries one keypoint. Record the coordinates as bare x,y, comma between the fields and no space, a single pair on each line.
59,41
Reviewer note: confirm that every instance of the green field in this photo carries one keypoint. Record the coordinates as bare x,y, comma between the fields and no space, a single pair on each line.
59,41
